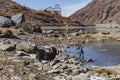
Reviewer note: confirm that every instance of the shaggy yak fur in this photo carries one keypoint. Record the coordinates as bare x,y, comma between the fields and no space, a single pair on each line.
48,54
43,55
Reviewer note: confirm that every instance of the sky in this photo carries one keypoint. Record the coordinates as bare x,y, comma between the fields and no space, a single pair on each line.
68,6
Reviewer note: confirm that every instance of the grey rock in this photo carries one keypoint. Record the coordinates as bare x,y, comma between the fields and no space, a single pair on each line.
22,53
82,76
96,74
54,71
18,45
76,72
16,78
68,71
55,62
84,70
5,22
56,34
75,34
65,67
71,66
49,31
55,66
59,77
90,60
81,31
18,19
7,46
69,77
27,47
97,78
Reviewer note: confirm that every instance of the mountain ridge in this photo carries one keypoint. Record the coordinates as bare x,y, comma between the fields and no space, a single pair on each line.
99,11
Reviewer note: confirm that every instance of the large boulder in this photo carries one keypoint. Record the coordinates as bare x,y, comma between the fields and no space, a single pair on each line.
18,45
7,46
18,19
26,46
6,22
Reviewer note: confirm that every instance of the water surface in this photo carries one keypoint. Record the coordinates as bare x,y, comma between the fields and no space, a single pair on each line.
104,54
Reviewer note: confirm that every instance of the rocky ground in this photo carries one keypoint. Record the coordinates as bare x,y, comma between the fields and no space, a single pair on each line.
17,58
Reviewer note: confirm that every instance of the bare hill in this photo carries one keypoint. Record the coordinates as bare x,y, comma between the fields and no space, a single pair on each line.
99,11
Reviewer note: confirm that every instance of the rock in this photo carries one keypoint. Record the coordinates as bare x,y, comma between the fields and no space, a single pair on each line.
4,46
106,32
55,62
75,34
81,31
118,39
26,46
63,74
49,31
6,22
61,38
8,34
96,78
68,71
18,45
28,64
21,53
71,61
56,66
112,76
96,74
90,60
1,67
36,28
76,72
56,34
87,41
16,78
10,78
69,77
71,66
103,75
115,78
59,78
54,71
18,19
65,67
82,76
84,70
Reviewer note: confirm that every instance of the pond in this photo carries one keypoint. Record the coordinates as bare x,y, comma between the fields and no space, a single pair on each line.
104,54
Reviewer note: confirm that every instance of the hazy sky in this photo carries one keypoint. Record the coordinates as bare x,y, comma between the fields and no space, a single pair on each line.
68,6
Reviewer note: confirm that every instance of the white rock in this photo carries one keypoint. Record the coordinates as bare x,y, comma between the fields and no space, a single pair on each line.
97,78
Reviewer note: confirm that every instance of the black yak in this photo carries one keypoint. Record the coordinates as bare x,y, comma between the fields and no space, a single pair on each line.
47,53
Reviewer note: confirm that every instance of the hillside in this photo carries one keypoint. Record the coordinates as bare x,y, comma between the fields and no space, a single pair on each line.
10,8
99,11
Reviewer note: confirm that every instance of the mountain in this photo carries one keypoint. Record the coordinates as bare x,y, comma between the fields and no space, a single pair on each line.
99,11
10,8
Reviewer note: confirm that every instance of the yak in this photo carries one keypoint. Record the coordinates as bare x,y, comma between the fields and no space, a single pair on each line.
47,53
